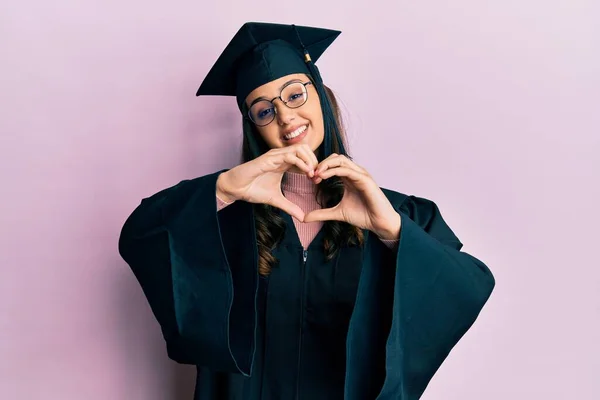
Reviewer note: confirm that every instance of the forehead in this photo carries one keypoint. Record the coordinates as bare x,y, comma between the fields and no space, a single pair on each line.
272,89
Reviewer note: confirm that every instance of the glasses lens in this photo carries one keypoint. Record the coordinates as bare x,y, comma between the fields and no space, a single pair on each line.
262,112
294,95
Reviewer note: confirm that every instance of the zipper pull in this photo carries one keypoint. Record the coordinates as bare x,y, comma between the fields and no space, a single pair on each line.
304,255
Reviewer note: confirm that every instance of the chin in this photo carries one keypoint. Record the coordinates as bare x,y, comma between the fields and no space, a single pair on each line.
315,146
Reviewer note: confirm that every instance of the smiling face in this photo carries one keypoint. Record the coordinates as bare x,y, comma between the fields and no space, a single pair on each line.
290,125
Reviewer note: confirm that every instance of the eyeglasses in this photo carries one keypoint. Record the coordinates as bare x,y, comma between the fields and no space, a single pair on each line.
293,95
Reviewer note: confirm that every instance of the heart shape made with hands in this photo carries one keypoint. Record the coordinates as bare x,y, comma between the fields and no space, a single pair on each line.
363,203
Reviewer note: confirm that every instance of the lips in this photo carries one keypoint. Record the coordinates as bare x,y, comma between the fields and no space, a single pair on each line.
295,132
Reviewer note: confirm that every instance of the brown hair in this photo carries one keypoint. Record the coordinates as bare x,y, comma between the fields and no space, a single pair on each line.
270,226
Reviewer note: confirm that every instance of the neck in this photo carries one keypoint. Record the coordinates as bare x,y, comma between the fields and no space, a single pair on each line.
298,183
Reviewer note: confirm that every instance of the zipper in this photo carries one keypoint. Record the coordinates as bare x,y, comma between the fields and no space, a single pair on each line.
304,257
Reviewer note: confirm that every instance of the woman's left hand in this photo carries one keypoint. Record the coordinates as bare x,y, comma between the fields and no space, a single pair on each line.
363,204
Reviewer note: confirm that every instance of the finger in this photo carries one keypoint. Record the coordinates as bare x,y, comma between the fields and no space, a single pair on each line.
334,160
313,156
274,160
305,154
293,159
329,157
339,161
284,204
342,172
324,214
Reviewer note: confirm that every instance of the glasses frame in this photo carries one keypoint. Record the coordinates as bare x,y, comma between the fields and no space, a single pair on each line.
305,84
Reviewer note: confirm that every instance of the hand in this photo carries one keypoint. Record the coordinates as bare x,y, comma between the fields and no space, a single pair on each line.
363,204
259,180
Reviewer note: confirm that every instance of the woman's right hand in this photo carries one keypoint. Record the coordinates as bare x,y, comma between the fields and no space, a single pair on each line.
259,180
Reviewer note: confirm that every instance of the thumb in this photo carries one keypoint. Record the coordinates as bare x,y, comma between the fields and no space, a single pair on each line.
325,214
284,204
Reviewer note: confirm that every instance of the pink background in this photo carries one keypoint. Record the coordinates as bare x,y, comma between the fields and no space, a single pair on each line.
492,109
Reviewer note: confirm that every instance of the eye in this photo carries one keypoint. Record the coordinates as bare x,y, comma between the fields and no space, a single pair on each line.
265,113
295,96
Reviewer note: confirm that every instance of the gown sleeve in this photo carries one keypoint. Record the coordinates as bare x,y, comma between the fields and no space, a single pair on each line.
187,257
222,204
413,305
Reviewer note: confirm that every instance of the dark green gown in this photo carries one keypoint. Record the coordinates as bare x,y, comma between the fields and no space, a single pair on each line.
374,323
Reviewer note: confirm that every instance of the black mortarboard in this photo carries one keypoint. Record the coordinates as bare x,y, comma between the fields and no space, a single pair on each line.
260,53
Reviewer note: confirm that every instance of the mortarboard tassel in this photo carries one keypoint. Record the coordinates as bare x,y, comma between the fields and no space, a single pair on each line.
329,120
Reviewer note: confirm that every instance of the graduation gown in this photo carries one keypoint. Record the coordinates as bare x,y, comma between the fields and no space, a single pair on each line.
373,323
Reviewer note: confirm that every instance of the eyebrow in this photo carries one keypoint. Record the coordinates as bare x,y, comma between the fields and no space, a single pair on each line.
280,89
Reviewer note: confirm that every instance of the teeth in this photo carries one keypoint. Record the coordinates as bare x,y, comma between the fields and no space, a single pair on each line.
295,133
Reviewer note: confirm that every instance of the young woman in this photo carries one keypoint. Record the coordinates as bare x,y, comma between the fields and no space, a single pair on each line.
294,275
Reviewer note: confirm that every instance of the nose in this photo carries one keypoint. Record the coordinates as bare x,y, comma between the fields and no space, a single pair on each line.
284,114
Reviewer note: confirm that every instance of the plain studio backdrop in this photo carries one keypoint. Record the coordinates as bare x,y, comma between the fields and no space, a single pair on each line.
490,108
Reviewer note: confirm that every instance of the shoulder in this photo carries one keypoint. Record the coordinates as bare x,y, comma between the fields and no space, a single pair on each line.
409,204
186,186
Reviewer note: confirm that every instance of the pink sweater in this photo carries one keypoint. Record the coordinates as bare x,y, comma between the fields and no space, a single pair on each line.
299,189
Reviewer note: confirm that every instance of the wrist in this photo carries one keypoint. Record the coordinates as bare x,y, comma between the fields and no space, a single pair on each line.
391,232
222,192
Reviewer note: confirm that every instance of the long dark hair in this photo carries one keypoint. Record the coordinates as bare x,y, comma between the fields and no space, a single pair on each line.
270,226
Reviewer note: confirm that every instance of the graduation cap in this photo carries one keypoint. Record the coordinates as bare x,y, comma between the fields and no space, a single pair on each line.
262,52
